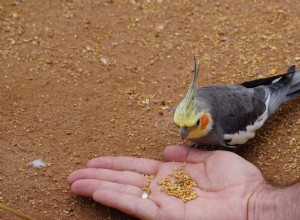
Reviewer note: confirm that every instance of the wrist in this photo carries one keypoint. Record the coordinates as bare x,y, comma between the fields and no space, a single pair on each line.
261,204
269,202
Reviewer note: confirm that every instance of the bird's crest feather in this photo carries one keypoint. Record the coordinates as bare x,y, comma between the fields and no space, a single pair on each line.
186,114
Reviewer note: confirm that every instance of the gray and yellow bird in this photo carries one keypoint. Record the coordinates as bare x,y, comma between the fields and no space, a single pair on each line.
229,115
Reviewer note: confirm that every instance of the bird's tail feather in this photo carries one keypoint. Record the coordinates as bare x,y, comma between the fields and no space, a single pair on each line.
280,89
294,89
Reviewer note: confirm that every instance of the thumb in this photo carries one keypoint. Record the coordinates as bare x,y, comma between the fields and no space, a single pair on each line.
185,154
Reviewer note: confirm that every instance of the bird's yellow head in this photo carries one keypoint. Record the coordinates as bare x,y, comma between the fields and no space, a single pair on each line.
192,121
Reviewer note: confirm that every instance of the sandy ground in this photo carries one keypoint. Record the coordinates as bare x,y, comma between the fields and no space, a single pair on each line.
81,79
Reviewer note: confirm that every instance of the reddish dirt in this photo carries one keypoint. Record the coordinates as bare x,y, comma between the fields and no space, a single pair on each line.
81,79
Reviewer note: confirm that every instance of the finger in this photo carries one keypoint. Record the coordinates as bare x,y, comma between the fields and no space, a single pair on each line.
186,154
87,187
139,165
129,204
124,177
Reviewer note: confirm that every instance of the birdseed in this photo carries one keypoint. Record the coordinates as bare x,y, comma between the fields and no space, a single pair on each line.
181,187
147,187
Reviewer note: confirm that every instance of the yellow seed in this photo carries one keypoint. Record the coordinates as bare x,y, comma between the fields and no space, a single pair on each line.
181,187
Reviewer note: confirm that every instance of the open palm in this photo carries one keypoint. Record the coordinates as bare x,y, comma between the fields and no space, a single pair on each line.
225,182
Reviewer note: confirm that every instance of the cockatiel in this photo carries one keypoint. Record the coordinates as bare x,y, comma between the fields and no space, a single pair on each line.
229,115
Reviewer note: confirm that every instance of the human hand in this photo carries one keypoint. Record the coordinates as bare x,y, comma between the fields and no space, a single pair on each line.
225,183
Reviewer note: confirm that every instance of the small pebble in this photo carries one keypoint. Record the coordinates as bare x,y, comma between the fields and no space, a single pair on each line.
37,164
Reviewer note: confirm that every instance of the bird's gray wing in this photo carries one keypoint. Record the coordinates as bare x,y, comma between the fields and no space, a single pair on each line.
247,108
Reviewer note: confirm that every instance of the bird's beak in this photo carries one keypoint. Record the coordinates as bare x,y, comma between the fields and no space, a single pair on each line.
183,133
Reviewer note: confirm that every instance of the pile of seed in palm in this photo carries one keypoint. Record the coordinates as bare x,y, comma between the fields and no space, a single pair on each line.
179,185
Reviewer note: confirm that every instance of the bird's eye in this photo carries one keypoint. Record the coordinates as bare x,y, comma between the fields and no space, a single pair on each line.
198,122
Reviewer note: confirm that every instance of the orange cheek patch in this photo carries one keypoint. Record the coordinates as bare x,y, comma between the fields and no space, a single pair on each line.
204,121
